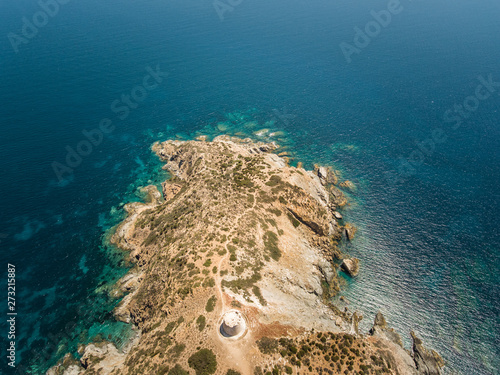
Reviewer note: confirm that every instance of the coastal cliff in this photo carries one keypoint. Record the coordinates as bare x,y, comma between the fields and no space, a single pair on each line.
236,260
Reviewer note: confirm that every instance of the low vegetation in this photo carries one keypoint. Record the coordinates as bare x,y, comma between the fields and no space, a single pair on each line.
203,362
211,304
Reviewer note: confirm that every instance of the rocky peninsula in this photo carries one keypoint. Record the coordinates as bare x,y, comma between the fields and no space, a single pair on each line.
236,261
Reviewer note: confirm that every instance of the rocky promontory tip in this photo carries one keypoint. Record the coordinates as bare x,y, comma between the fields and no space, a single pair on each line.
236,261
428,362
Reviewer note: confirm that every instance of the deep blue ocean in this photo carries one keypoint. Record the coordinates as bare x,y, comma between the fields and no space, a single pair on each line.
405,120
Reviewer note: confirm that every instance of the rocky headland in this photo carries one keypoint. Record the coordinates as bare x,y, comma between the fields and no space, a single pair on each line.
236,261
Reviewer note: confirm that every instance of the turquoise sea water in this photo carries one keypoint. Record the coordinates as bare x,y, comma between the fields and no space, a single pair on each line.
428,238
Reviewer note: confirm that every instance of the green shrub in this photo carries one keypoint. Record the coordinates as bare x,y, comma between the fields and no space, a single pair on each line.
162,370
271,245
274,180
203,362
267,345
177,350
294,221
258,294
209,283
275,211
201,322
178,370
211,304
232,372
170,327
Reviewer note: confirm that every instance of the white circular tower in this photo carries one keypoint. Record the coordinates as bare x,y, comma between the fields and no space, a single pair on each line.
233,324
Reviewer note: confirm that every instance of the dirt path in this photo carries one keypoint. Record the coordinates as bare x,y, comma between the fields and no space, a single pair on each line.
218,278
235,350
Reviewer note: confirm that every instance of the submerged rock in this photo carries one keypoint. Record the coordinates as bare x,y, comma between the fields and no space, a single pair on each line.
201,138
67,366
348,185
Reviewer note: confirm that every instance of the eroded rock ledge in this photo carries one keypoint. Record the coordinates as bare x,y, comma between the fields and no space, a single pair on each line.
239,230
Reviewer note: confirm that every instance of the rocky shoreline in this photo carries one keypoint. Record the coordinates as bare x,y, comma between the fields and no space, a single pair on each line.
237,232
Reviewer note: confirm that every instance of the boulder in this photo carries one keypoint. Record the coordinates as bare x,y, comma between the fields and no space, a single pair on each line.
390,347
336,196
267,147
350,266
153,196
331,177
322,174
350,231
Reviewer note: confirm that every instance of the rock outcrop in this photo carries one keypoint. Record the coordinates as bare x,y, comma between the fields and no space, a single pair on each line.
381,329
420,362
170,189
351,266
350,231
102,358
428,362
